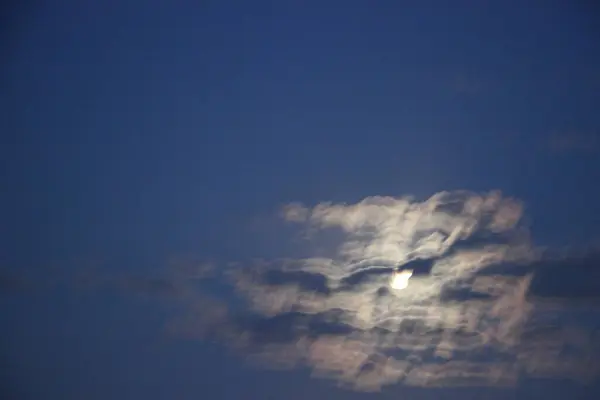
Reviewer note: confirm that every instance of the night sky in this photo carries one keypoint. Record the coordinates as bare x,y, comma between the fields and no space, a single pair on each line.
162,161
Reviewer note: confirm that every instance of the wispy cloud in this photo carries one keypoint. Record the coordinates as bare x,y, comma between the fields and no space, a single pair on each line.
482,305
468,315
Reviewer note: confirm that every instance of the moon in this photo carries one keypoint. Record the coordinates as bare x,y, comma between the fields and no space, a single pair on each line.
400,279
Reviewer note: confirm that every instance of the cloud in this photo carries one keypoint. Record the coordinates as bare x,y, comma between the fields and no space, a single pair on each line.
568,279
476,310
482,306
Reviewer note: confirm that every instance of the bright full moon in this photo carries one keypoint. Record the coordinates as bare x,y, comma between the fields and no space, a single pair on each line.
400,279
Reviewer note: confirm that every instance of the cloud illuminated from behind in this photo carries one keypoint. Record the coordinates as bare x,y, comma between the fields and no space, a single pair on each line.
463,318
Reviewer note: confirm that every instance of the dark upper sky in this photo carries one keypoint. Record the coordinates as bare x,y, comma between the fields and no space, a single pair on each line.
134,133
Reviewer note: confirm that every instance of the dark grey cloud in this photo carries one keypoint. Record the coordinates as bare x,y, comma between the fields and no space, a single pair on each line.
573,279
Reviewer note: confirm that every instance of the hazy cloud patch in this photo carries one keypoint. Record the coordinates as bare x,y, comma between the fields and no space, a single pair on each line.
462,316
449,291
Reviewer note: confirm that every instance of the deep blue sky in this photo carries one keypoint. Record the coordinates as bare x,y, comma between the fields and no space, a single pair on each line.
136,132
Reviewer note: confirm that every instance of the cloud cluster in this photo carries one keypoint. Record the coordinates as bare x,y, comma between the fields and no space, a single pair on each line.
466,317
478,303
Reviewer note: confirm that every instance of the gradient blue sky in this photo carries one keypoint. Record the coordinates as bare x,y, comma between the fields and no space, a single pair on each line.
134,132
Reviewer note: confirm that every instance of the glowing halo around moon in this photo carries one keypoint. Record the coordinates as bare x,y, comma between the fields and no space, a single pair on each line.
400,279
